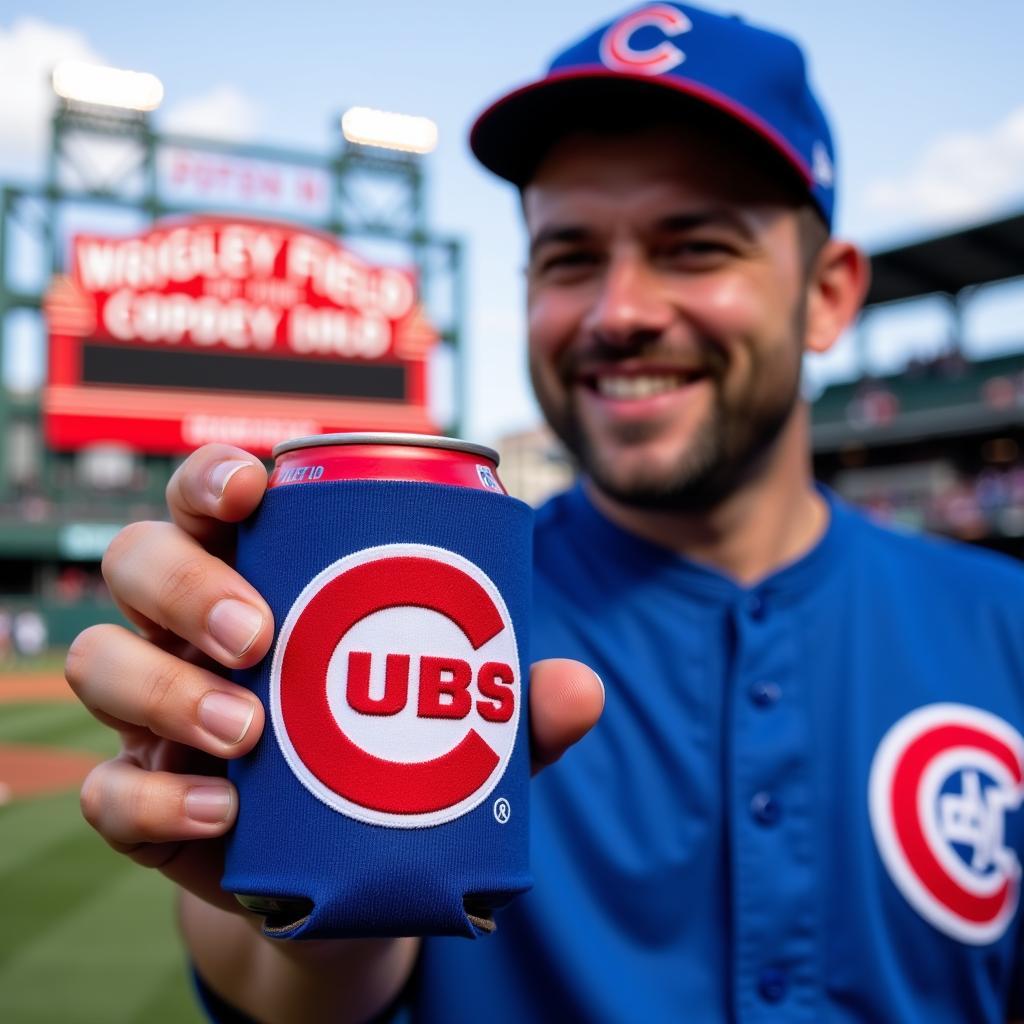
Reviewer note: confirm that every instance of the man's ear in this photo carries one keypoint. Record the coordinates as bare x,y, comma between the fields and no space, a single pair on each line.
836,287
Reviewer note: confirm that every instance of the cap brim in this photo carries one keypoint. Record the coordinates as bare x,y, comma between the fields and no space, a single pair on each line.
512,135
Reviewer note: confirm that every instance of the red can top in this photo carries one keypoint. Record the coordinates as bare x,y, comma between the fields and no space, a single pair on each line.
386,456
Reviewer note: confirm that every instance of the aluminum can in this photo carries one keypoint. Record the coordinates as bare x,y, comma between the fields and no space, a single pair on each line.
388,793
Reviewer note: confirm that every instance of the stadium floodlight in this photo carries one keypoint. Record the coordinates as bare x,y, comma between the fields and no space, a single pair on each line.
368,127
80,82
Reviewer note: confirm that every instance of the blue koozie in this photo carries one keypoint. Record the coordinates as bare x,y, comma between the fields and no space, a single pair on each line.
388,793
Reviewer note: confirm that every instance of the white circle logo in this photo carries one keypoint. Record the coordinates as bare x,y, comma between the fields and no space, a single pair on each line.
942,781
395,689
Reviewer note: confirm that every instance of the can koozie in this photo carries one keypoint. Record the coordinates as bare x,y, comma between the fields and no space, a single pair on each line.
388,793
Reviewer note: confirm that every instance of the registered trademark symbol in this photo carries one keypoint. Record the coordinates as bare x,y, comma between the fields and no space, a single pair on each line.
502,810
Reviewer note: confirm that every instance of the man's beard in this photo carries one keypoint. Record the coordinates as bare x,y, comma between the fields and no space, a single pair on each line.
727,450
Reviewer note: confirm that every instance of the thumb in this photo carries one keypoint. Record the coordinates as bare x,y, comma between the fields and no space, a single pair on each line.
566,699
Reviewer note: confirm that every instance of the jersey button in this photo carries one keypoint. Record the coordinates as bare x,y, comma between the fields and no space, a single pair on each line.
764,694
772,985
754,605
765,808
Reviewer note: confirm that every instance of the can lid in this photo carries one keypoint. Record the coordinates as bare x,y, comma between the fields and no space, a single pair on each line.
454,444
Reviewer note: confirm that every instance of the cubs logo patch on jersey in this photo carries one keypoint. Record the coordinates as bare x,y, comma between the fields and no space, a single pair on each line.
943,781
395,689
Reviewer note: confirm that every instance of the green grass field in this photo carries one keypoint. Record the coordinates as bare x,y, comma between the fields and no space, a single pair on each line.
86,937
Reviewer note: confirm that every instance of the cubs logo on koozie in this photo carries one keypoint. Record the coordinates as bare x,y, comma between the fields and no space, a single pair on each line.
943,780
395,689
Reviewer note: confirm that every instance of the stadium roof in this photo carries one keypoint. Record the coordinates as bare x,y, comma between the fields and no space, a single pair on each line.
948,263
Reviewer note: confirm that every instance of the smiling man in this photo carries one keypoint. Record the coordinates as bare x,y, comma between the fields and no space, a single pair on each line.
670,299
802,801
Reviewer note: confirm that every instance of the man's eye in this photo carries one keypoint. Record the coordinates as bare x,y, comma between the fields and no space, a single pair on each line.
574,258
698,248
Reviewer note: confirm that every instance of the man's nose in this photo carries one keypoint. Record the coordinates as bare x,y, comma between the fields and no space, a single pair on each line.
631,307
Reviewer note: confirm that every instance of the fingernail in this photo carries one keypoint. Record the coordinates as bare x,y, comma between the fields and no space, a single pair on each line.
234,625
208,804
226,716
600,682
222,472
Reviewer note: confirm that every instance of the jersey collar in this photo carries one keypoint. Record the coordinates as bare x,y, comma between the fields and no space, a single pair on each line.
793,579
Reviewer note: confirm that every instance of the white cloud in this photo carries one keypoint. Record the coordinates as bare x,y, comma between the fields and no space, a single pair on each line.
29,49
958,177
223,113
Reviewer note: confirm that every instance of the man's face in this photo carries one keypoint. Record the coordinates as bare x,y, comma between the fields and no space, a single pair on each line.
666,305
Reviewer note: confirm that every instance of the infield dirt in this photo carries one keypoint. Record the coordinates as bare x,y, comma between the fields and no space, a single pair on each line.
34,687
28,770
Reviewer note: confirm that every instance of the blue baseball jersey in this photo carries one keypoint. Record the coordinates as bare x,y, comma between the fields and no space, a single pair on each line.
802,802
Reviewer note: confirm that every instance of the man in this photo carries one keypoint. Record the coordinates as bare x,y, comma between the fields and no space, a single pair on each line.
800,803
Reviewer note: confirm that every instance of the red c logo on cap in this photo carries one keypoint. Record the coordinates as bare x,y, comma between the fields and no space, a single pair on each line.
335,766
617,50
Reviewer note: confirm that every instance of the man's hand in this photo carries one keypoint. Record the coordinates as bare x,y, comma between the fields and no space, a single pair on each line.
163,690
164,800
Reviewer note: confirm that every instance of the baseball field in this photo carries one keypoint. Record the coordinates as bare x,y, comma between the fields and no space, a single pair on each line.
85,935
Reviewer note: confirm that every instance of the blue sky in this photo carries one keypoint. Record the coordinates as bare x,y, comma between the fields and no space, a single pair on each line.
926,100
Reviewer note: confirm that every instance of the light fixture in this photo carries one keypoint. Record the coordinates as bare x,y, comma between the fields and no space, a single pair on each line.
79,82
368,127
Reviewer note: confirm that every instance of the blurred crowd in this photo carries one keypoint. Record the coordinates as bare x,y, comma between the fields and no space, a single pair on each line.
22,634
971,508
77,583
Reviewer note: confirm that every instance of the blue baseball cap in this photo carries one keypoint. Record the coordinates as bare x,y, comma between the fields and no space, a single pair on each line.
668,57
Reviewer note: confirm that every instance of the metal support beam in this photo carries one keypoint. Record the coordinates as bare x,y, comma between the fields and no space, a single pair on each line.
6,200
957,307
862,343
460,368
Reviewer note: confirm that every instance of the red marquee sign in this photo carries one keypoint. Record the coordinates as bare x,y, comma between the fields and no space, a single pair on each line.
241,331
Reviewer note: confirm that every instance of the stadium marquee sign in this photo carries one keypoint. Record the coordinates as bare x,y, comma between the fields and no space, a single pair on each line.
242,331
